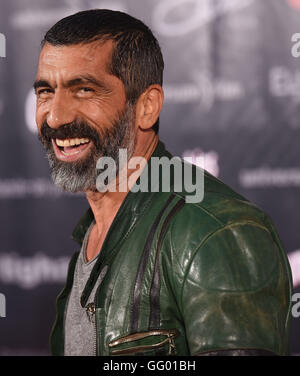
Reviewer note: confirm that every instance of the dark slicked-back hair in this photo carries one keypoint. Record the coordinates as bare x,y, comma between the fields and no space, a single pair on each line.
136,60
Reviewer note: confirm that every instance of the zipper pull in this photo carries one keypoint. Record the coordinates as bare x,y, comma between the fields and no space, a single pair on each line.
172,348
90,311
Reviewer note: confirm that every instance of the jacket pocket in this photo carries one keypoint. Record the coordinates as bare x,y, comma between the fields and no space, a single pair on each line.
161,340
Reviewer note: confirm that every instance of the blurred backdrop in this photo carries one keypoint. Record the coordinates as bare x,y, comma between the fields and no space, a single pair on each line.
232,91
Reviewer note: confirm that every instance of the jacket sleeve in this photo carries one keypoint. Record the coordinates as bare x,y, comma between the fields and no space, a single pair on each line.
236,293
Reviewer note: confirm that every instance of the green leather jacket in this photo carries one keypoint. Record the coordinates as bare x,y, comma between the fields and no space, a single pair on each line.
187,279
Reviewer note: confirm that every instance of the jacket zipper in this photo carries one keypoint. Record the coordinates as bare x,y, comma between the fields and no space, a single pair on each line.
91,310
154,316
172,348
91,313
171,334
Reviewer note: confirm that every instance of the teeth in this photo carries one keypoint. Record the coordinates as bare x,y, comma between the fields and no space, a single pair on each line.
59,142
71,141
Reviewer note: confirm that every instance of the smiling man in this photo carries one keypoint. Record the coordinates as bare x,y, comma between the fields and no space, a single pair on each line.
155,275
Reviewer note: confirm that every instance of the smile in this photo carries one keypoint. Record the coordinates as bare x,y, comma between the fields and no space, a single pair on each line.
71,149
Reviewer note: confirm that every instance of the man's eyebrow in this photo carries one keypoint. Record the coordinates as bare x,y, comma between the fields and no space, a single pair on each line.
40,83
85,79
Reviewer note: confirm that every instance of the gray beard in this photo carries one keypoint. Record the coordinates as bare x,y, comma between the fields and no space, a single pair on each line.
81,176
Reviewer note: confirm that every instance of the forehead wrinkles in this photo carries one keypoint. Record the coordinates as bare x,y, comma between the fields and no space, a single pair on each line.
95,56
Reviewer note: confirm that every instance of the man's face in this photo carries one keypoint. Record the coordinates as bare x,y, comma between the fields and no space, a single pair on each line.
81,112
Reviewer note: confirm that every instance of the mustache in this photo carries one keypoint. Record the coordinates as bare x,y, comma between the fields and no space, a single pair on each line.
75,129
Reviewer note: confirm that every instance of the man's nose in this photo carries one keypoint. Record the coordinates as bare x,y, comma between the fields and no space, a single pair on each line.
61,111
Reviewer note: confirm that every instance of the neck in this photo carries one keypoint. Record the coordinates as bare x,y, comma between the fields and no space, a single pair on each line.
105,205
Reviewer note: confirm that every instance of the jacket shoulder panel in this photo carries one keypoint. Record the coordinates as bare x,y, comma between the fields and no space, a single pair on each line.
221,234
240,256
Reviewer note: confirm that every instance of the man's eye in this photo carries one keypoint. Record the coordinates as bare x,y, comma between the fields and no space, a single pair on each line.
85,89
44,91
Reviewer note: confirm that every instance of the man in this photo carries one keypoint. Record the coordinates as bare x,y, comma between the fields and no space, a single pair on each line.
156,274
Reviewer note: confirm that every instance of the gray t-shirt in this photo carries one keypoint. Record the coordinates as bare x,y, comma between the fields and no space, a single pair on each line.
80,331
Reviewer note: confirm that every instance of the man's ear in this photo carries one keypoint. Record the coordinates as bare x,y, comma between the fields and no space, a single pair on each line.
148,106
